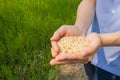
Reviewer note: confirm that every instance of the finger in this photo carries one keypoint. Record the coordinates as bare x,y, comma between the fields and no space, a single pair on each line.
55,46
88,54
90,58
71,56
54,53
89,47
55,62
58,34
68,56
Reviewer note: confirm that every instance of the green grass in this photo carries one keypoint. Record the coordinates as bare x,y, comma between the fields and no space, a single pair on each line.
25,29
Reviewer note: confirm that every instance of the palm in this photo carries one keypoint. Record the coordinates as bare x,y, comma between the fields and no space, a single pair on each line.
94,44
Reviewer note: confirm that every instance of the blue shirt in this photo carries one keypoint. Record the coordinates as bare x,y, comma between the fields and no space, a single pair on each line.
107,20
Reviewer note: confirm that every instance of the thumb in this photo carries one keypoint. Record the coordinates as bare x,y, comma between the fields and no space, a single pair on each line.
58,33
55,37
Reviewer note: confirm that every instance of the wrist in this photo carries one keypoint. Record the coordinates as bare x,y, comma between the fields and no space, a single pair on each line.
81,29
100,37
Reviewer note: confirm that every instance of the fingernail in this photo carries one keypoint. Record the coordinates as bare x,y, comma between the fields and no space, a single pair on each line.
51,38
54,55
52,62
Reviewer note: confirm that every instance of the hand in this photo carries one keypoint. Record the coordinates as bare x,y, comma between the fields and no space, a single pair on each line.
84,56
65,30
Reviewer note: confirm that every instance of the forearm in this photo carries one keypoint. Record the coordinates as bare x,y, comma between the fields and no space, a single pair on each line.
110,39
85,15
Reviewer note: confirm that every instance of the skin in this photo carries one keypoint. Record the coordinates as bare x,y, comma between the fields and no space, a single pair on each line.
83,56
110,39
85,15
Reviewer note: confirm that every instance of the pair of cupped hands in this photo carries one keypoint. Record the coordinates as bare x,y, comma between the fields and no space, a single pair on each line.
84,56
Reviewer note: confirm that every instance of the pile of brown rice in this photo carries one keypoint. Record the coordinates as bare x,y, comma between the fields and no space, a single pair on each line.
71,44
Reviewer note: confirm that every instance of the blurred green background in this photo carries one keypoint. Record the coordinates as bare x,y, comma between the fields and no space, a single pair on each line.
25,30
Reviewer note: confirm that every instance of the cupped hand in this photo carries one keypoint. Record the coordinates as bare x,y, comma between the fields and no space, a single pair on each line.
84,56
65,30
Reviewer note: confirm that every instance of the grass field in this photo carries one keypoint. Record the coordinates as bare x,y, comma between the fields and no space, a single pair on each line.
25,29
